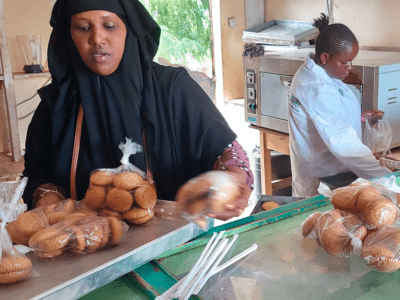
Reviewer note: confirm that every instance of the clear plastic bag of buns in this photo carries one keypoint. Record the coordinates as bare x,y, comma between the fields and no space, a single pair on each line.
125,192
212,191
76,236
338,232
375,204
30,222
14,266
381,249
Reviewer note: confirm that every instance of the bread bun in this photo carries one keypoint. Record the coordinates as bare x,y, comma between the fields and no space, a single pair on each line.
269,205
365,196
380,212
14,268
345,198
309,223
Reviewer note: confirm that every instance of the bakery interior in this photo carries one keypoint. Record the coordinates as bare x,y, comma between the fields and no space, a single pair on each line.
281,251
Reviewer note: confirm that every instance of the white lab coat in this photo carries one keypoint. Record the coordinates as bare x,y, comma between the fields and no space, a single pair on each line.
325,131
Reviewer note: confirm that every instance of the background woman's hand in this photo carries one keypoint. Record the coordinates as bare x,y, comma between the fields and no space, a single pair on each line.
372,115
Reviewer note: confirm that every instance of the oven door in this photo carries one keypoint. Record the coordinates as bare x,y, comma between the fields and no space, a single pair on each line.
274,89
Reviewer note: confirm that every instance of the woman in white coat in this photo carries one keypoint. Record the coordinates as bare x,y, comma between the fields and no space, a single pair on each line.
325,116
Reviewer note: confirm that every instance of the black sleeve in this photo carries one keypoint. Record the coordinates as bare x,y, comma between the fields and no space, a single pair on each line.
37,153
203,131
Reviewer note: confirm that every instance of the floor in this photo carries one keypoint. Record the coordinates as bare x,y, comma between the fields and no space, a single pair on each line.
10,170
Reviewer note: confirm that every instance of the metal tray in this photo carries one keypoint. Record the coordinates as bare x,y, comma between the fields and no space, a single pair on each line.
281,32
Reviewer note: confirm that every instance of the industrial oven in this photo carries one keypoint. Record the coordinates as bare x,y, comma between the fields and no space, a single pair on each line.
375,79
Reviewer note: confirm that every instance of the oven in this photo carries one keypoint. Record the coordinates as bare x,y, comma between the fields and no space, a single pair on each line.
267,81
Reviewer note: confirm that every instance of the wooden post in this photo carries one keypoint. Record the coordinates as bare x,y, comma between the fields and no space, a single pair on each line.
10,100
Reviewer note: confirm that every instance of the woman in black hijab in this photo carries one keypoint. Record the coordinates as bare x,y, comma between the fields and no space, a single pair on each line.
100,57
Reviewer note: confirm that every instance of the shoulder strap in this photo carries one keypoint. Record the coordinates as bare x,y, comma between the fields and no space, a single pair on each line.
75,154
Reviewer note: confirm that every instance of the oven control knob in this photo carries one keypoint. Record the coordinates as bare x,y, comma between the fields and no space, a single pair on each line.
252,106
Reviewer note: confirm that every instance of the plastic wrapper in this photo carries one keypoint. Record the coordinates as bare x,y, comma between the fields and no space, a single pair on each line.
338,232
381,249
8,206
374,203
378,137
126,191
14,266
77,236
212,191
30,222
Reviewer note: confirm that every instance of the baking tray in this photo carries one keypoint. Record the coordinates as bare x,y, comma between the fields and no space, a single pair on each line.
281,200
281,32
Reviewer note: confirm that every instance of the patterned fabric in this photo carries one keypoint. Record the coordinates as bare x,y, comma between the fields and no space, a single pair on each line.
235,156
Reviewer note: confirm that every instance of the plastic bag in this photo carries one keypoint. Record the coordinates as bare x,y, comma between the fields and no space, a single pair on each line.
30,222
381,249
125,192
14,266
10,193
338,232
375,204
77,235
378,137
212,191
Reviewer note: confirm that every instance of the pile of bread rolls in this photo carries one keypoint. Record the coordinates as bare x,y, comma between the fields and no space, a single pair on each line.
364,221
124,195
68,227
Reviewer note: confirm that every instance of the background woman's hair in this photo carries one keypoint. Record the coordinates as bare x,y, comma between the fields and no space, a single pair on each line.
332,39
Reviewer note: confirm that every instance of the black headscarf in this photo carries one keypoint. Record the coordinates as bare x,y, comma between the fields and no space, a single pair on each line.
120,105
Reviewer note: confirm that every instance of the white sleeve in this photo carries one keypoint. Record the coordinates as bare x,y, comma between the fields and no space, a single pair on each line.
342,139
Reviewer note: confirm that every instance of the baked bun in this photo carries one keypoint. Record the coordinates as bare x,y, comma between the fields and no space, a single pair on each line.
138,215
269,205
309,223
26,225
14,268
145,196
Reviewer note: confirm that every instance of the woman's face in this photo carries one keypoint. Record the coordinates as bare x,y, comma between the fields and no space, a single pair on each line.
100,38
339,65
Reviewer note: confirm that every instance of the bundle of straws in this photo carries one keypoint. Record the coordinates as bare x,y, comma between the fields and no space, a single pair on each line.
206,266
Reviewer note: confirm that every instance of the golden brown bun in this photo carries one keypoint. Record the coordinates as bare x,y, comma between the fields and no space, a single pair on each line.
345,198
380,212
102,178
14,268
381,258
138,215
269,205
26,225
110,213
127,180
116,230
95,196
119,200
365,196
309,223
145,196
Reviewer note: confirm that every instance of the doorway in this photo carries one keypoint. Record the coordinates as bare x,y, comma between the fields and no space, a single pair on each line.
185,38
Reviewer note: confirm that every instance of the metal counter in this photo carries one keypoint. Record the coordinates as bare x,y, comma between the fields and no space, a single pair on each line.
285,266
72,277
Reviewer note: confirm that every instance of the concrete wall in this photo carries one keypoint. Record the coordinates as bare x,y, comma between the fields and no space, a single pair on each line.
26,17
374,22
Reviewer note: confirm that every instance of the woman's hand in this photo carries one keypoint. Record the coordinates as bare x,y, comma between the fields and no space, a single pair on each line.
218,194
372,115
